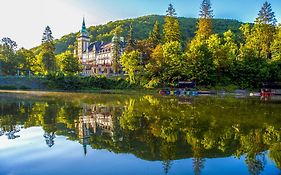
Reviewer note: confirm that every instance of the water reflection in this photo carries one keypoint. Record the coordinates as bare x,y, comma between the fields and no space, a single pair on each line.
155,128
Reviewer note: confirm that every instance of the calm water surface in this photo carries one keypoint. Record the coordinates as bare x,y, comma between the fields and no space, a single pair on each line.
105,134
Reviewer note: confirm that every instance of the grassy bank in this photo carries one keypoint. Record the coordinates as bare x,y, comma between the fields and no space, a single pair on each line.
60,82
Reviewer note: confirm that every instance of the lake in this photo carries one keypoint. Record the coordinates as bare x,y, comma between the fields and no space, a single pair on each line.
109,134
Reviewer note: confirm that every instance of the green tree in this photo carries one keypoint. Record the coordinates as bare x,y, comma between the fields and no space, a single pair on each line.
29,62
155,35
230,45
131,63
204,26
154,67
276,45
174,62
171,26
266,15
263,32
9,43
171,11
69,63
8,59
47,54
246,48
250,72
131,42
201,64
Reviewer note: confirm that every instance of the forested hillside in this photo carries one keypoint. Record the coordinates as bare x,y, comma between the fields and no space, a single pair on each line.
142,27
163,50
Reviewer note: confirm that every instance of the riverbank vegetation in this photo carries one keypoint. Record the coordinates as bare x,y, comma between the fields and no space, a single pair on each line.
212,54
244,60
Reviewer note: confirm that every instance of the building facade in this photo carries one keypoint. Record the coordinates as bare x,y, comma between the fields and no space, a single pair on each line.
98,57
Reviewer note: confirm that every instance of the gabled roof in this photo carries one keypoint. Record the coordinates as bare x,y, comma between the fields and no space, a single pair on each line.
99,45
96,45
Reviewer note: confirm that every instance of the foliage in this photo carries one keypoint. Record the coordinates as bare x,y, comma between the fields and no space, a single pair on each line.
171,11
131,43
174,67
29,62
8,58
155,35
9,43
204,26
75,82
69,64
152,128
162,50
276,45
206,11
266,15
142,28
131,63
171,27
47,54
47,35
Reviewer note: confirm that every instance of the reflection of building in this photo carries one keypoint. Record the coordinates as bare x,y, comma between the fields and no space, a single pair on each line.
96,120
84,125
103,119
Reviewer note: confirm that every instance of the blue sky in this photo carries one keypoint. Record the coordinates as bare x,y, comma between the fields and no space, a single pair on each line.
25,20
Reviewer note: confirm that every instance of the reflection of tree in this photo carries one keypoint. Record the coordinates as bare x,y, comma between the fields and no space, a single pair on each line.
50,139
198,165
255,163
1,132
167,164
275,154
159,129
11,134
167,151
49,124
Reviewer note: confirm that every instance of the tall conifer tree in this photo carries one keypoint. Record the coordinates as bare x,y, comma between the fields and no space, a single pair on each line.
204,26
155,35
264,31
48,51
171,26
266,15
131,43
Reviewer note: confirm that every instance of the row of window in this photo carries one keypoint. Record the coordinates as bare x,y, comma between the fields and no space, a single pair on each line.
99,71
107,50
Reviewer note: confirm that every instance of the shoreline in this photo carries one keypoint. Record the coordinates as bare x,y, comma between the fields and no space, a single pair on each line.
42,92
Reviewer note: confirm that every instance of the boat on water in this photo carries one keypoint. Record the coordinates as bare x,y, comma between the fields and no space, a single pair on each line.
271,89
182,88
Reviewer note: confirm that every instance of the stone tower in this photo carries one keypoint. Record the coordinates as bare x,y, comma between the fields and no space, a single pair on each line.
83,41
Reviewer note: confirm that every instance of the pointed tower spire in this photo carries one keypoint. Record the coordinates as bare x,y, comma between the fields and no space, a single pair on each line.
84,31
83,24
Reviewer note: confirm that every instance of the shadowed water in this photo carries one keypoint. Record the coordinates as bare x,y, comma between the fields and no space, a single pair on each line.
67,133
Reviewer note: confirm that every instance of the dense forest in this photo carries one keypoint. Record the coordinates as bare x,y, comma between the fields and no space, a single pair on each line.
162,50
142,28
